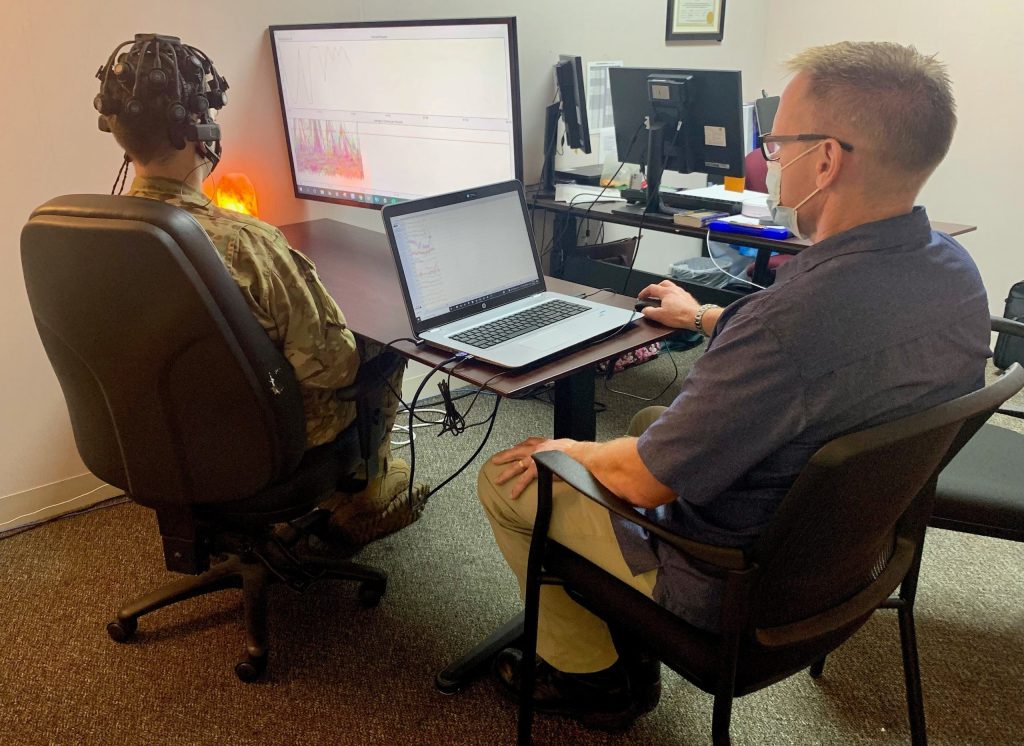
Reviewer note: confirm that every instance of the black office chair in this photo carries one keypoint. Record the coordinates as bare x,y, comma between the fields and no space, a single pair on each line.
982,489
178,396
848,532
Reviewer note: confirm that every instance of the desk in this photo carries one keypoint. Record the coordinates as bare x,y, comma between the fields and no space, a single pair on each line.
357,268
565,261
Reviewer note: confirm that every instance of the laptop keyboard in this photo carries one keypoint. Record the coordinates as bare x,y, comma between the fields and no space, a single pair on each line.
518,324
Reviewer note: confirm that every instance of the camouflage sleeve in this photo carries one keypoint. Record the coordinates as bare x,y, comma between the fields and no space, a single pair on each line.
298,313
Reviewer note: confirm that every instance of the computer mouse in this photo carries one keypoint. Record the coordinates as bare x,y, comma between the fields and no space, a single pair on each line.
643,303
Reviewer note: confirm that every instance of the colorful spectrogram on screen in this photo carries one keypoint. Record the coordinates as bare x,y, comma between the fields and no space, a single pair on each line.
325,147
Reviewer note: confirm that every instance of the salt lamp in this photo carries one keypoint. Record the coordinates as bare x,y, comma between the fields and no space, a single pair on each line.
235,192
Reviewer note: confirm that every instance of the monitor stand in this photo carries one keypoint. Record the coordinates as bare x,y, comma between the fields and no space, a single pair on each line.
547,171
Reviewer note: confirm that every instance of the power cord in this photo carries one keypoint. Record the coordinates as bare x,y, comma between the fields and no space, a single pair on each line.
707,245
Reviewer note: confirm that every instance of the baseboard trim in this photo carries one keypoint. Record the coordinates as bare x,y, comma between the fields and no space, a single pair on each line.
51,500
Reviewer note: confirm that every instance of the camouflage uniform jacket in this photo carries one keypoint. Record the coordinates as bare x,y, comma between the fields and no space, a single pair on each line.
282,289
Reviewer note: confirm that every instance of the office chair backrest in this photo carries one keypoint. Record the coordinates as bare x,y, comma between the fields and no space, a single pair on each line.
176,393
863,499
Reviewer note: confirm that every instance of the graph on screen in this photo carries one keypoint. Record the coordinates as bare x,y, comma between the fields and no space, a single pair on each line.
379,113
328,148
457,254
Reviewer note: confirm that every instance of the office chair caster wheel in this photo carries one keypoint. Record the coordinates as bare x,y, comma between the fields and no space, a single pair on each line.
251,669
371,592
122,630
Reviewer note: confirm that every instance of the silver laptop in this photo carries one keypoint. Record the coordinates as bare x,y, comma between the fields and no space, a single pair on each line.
472,280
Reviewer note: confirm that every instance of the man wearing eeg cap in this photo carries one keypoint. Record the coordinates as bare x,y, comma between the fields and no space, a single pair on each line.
158,99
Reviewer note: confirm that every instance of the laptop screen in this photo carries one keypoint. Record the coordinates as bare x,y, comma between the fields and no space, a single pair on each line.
463,256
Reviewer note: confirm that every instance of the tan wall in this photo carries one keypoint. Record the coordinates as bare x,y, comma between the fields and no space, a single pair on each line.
51,145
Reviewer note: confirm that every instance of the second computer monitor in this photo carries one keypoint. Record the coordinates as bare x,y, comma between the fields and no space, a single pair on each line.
713,136
569,77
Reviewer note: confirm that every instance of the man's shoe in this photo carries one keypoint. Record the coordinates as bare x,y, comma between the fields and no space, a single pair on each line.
606,700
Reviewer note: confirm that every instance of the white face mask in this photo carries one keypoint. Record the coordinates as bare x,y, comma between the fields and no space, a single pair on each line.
785,216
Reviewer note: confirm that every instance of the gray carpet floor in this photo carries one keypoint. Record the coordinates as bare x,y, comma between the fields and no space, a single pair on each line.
340,674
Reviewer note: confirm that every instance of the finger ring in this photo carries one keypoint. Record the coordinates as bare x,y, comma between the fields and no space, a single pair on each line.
521,464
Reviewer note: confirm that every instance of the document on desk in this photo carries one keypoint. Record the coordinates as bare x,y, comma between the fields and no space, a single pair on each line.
585,195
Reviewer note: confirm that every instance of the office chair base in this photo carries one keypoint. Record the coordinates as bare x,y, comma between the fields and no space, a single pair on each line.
253,573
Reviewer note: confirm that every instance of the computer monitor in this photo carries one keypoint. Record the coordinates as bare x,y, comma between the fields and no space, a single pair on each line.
569,77
571,106
698,112
379,113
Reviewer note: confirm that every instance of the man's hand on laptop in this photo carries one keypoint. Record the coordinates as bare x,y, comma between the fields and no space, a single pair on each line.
678,308
521,470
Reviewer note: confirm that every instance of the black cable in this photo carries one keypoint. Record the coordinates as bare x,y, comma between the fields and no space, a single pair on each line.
643,217
483,442
122,174
556,237
586,215
412,411
584,296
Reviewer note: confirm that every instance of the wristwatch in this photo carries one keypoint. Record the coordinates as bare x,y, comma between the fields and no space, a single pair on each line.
699,317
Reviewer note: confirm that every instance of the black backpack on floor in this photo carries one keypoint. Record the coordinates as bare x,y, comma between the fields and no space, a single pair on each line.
1009,348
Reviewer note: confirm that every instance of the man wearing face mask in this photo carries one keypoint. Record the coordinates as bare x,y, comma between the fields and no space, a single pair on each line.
879,318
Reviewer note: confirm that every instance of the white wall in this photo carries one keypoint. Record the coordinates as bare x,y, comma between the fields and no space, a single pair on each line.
980,181
51,145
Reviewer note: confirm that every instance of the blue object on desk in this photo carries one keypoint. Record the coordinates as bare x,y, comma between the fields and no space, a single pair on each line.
764,231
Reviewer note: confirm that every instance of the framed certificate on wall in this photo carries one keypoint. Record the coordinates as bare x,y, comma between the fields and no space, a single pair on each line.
695,20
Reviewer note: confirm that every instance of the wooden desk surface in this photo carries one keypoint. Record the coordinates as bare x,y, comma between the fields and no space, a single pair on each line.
662,223
357,268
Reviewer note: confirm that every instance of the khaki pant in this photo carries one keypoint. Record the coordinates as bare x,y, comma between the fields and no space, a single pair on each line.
569,637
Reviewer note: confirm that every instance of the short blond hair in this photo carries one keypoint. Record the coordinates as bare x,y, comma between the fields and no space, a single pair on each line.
897,99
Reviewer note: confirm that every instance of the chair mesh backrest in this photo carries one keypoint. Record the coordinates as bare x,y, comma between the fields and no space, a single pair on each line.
176,393
836,527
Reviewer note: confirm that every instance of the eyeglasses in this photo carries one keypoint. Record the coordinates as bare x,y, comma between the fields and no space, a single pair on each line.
772,144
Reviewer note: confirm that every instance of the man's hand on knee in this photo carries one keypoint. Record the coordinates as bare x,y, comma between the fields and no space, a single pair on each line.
522,470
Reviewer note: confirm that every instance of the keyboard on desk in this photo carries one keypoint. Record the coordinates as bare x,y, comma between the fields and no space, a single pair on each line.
518,324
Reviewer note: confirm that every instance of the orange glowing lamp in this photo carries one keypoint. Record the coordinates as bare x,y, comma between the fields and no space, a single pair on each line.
235,192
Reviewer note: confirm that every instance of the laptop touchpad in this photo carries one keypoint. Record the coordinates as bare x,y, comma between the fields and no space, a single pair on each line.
551,340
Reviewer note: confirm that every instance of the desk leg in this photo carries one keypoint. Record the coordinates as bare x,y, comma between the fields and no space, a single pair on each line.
574,406
474,662
563,242
574,418
761,274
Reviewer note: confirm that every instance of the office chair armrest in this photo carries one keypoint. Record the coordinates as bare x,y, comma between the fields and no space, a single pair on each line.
372,375
576,476
1003,325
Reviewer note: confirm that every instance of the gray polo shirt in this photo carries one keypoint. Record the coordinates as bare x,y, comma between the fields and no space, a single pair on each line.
883,320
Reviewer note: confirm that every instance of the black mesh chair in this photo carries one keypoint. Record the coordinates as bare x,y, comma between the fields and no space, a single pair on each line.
982,489
177,396
847,534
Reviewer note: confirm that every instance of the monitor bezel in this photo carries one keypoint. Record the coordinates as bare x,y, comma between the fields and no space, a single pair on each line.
513,50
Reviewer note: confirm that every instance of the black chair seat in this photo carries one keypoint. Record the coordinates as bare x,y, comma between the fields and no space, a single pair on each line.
317,475
982,489
691,652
